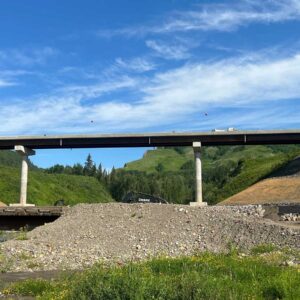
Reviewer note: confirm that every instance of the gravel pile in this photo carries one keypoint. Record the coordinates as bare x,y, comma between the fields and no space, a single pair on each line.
88,233
291,217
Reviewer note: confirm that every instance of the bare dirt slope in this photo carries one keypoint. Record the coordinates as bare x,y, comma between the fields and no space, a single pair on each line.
2,204
281,186
273,190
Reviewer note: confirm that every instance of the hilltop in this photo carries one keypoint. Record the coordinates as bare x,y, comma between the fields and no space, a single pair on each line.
45,189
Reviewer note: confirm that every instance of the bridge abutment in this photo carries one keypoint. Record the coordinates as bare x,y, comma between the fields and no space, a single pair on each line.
198,169
24,153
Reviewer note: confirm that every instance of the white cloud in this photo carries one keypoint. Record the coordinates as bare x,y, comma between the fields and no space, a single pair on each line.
10,77
217,17
5,83
83,92
168,51
168,98
26,57
230,16
138,64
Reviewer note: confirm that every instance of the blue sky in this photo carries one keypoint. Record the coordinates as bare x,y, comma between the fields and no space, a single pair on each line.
146,66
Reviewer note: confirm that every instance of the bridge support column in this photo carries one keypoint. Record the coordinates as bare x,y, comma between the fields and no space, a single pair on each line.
198,165
24,152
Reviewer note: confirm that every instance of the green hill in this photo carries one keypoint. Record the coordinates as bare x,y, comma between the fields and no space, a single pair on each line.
226,170
45,189
172,159
12,159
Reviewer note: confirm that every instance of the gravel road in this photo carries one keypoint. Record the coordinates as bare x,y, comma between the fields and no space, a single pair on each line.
89,233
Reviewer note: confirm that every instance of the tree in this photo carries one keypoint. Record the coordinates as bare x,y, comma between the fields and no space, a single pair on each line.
99,174
89,167
77,169
56,169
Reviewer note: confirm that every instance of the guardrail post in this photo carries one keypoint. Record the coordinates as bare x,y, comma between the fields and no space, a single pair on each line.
24,153
198,167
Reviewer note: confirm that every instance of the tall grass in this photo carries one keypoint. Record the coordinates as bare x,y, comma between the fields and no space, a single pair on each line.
207,276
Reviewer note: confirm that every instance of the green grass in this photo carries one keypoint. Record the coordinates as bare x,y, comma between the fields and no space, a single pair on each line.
45,189
205,276
169,158
264,248
12,159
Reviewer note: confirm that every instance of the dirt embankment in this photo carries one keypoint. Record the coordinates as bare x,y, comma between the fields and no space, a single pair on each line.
87,234
281,186
273,190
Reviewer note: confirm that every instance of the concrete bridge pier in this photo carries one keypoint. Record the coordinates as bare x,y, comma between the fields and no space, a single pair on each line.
24,152
198,165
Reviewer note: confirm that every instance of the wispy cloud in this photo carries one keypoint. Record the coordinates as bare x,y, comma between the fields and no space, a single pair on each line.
10,77
167,98
4,83
216,17
169,51
85,92
138,64
26,57
230,16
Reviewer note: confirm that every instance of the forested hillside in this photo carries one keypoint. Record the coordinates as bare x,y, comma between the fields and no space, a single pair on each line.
45,189
226,171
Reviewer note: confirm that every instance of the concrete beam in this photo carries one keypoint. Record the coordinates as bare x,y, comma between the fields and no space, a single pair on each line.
24,150
208,138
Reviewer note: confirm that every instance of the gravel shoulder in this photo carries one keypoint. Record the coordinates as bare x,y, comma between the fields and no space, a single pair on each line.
113,232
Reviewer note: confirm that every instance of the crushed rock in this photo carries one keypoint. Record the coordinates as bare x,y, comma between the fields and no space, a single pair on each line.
114,232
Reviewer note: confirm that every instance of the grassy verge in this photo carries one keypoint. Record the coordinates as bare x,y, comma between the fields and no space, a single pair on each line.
205,276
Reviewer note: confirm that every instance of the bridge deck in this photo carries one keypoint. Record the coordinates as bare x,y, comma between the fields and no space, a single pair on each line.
208,138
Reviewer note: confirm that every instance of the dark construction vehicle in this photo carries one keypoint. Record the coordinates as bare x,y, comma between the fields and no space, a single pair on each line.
137,197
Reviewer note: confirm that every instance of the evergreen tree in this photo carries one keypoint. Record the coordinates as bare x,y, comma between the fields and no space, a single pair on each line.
89,167
100,173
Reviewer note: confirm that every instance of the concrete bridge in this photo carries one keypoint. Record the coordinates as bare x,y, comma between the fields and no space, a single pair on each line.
24,145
